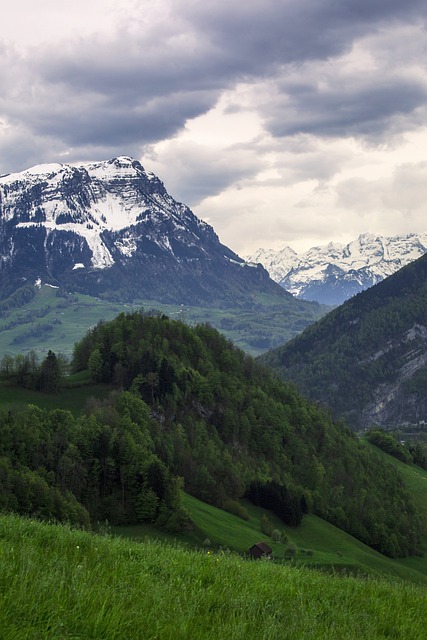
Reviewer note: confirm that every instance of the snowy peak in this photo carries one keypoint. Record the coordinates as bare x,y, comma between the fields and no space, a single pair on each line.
89,200
332,273
110,228
279,262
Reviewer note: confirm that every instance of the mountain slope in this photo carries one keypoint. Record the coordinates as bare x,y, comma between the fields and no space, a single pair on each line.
110,229
229,428
333,273
367,360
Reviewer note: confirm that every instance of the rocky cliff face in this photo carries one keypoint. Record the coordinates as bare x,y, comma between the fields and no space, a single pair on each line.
333,273
403,399
111,229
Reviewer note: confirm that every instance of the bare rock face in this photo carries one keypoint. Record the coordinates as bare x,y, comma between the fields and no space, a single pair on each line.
399,401
111,229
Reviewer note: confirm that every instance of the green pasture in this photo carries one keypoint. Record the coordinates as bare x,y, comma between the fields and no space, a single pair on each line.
21,330
57,323
57,583
319,545
330,547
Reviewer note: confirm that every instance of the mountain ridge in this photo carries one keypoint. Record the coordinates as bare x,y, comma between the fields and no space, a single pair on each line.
332,273
110,229
367,359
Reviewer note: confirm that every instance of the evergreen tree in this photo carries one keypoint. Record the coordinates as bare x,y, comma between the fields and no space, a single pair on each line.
50,374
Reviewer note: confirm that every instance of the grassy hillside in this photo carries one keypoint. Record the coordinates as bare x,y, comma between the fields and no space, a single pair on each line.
53,321
316,543
95,587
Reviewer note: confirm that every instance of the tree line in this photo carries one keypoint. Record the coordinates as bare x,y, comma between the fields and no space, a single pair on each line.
29,372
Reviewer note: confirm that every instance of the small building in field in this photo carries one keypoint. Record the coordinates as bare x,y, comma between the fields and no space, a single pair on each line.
260,549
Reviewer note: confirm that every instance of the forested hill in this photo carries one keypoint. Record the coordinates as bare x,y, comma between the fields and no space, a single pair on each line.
230,428
367,360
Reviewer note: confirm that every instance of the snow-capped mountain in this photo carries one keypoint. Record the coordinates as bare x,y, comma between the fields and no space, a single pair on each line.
111,229
332,273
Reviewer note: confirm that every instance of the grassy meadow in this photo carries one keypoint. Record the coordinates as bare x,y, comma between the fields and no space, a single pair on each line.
52,322
72,398
317,544
56,583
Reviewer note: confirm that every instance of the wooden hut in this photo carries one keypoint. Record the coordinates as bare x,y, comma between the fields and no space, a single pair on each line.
260,549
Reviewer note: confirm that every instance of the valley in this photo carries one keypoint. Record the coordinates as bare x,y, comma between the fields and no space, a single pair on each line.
366,360
53,319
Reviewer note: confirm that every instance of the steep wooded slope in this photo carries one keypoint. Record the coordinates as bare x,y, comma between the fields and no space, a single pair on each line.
230,428
367,360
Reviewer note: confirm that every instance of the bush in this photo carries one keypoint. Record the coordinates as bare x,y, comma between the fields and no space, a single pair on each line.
279,536
276,536
266,525
234,507
290,551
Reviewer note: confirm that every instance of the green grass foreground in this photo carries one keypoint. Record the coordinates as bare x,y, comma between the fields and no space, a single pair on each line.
59,583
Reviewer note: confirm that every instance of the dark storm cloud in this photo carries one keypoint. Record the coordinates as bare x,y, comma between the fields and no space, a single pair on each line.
142,84
370,110
99,120
261,33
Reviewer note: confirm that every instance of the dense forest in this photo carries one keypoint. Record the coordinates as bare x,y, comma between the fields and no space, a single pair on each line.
373,340
225,425
192,411
83,471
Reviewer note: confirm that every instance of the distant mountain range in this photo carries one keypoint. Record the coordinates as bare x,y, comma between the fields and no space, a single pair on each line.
110,229
367,359
333,273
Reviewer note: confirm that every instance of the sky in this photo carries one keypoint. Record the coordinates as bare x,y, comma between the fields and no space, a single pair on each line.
279,122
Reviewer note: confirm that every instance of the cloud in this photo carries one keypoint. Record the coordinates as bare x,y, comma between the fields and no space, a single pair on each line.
193,172
144,81
404,191
265,116
261,33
